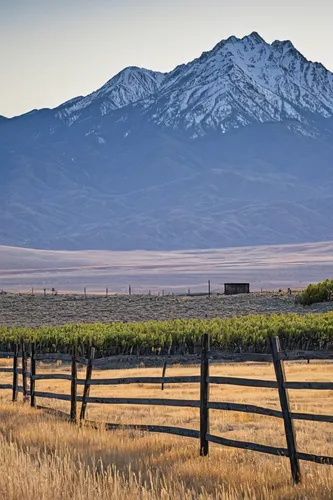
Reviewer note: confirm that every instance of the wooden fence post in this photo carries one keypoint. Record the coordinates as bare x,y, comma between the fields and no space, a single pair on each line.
284,401
24,371
73,385
15,375
204,396
163,374
32,375
86,389
209,291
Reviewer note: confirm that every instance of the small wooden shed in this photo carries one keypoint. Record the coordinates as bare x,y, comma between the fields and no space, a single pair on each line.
236,288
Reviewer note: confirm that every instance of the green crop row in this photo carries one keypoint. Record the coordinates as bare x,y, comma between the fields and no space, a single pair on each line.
248,333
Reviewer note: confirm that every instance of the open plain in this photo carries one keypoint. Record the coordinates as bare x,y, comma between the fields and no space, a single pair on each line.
265,267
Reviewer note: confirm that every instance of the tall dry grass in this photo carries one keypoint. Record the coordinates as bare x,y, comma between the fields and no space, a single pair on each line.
44,458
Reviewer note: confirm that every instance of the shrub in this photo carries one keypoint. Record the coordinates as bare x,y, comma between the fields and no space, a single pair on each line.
322,292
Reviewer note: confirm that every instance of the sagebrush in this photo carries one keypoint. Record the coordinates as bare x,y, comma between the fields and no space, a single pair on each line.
321,292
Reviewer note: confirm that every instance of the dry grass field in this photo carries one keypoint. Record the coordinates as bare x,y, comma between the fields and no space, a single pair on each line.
45,458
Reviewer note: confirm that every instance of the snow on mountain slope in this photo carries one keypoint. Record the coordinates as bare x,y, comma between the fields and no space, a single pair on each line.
242,81
238,82
129,86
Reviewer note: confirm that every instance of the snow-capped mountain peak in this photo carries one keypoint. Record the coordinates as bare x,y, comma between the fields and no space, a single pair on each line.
128,86
248,42
239,82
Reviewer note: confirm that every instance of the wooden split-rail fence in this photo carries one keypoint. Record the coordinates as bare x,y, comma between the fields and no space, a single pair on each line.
277,356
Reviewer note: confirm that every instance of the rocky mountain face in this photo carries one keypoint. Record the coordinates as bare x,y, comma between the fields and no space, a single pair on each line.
233,148
129,86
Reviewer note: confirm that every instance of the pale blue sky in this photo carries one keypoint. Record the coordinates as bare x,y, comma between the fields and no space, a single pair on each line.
53,50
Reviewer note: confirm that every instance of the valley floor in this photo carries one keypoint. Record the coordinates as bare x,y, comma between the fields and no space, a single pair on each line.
32,311
265,267
42,457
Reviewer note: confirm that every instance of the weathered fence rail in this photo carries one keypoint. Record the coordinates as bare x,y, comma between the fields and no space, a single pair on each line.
178,431
204,404
16,355
141,380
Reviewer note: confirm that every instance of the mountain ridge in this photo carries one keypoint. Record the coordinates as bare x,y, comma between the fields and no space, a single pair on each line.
233,148
280,98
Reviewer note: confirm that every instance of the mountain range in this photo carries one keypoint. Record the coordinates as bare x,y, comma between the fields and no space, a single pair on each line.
232,149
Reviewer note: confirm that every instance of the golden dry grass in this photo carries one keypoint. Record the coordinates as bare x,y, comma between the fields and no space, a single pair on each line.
44,458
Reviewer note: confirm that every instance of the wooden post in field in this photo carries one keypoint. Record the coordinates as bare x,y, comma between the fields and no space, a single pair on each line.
32,375
85,292
24,371
73,385
284,401
106,292
163,374
129,290
15,375
86,389
204,395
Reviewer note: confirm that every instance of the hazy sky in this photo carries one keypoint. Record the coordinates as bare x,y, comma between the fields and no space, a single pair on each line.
53,50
